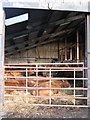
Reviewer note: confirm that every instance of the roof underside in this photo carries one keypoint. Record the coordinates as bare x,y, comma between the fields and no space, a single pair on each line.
42,27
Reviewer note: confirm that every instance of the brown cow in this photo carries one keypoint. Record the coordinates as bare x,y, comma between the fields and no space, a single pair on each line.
42,83
54,84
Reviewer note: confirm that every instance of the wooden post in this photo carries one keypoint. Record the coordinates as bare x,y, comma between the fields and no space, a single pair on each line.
65,49
71,53
77,47
58,50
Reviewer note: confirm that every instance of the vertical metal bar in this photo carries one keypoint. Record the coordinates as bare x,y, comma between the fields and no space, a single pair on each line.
74,86
88,54
50,88
26,81
2,40
37,79
77,46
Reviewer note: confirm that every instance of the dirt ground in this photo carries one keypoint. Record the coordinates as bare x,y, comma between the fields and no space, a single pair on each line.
19,111
14,110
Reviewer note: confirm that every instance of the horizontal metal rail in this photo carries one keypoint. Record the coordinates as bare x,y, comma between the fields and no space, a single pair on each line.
34,88
53,68
81,63
34,78
60,69
50,105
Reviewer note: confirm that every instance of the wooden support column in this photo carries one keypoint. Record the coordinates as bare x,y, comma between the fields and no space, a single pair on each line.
65,49
58,50
88,57
71,53
61,54
77,47
2,34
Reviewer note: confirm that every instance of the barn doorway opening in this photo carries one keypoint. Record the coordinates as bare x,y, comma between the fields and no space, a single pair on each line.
45,57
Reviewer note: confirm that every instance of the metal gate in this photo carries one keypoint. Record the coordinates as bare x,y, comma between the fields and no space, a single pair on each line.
46,84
